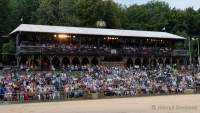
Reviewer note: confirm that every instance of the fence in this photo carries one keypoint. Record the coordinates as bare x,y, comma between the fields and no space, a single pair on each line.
101,51
25,97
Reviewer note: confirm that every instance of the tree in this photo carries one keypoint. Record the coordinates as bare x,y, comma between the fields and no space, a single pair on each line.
4,15
113,14
57,12
8,51
18,9
90,11
151,16
48,12
68,13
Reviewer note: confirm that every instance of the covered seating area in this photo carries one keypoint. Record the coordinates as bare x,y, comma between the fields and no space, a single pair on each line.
46,46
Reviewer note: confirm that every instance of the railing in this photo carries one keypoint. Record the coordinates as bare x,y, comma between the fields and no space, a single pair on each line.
21,97
102,51
36,49
180,52
120,63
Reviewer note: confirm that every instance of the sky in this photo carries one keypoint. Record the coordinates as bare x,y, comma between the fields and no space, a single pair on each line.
179,4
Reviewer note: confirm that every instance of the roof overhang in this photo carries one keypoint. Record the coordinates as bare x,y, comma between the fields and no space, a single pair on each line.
94,31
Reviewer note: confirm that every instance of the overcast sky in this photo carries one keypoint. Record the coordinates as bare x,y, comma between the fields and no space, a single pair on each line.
180,4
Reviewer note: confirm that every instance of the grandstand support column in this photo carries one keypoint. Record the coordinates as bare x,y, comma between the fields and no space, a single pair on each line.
50,60
171,61
18,60
185,61
178,62
80,59
17,41
125,59
32,58
99,60
29,61
149,64
133,59
40,62
70,60
90,60
164,61
156,61
141,59
60,63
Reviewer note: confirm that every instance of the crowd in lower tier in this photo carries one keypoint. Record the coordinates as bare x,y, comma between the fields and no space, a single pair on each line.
79,81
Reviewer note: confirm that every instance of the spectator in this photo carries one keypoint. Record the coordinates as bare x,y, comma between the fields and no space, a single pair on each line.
114,80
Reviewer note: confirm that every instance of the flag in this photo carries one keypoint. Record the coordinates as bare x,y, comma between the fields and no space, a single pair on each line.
163,29
22,19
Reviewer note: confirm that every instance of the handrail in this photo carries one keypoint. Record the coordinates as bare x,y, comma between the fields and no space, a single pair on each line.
24,97
142,51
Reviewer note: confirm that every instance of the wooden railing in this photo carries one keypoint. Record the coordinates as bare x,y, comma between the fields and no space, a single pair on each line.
180,52
102,51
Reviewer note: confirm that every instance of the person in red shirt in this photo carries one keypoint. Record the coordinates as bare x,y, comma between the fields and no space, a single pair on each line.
26,96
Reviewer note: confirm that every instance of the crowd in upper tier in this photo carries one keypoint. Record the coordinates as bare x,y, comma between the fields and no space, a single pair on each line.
95,48
108,81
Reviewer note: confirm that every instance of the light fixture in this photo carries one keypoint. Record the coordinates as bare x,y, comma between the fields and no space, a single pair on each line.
62,36
110,38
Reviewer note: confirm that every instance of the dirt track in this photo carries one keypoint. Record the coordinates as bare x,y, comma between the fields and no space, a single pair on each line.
156,104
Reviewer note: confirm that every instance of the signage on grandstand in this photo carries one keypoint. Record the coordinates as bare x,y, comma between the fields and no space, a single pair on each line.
180,53
113,51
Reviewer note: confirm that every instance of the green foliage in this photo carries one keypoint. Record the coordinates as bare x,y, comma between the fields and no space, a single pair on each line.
48,12
3,15
179,45
90,11
80,13
151,16
58,12
8,49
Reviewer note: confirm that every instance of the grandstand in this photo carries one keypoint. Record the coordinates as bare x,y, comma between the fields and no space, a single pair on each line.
43,47
65,63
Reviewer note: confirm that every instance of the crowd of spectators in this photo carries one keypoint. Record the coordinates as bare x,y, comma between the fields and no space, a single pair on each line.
103,80
48,47
89,46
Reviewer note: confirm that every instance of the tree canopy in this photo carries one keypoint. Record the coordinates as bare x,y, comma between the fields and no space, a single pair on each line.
151,16
154,15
